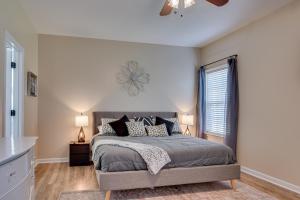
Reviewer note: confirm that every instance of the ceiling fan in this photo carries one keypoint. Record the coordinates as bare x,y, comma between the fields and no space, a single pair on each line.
171,4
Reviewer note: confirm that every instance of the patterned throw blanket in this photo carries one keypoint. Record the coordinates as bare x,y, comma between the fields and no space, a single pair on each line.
154,157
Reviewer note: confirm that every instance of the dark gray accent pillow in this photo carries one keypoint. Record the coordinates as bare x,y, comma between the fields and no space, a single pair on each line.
120,127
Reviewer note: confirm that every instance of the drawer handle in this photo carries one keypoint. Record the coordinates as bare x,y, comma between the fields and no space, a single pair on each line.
12,173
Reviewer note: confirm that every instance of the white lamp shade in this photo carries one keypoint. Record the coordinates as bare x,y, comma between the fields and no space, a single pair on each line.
188,3
81,121
188,120
177,3
174,3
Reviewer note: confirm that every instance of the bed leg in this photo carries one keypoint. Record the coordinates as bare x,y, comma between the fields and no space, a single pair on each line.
233,184
107,195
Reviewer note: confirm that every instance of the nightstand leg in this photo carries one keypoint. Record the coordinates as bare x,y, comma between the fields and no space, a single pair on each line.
107,195
233,184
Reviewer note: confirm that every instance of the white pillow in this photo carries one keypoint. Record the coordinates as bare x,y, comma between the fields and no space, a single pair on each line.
108,120
136,129
100,130
157,131
106,128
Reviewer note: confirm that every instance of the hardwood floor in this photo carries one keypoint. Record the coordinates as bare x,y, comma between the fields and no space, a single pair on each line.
52,179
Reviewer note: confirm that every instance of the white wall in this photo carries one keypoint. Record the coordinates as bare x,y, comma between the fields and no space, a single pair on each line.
14,20
79,75
269,80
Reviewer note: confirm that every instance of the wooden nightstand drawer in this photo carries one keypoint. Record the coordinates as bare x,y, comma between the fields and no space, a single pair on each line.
79,159
79,154
79,148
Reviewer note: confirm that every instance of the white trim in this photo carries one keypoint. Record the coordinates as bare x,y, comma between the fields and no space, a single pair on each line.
217,68
215,134
51,160
8,38
270,179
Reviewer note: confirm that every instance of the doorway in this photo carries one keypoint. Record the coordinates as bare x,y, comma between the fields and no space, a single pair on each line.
14,87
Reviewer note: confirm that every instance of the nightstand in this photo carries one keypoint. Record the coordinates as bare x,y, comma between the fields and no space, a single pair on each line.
79,154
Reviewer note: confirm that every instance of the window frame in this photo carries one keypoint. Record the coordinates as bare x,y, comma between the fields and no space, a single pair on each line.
211,70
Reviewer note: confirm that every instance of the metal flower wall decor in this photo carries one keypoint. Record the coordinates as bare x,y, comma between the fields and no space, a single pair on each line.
133,78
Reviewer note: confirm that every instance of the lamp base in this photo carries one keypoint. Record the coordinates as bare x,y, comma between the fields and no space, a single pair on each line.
187,131
81,136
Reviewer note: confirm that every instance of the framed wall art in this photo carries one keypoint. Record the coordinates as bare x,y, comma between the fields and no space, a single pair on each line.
31,84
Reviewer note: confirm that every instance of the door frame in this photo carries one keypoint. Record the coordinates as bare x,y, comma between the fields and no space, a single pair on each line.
8,38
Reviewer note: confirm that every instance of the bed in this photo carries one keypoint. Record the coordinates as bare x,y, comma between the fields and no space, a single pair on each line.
214,162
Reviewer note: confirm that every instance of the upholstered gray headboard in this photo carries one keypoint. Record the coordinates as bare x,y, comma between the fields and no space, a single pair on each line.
98,115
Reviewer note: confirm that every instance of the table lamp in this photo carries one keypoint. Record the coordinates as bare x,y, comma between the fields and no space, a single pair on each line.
81,121
187,120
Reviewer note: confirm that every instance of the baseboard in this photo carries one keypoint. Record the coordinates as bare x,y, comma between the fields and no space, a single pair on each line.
51,160
270,179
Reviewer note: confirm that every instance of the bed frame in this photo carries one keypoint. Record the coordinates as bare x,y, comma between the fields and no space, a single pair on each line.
110,181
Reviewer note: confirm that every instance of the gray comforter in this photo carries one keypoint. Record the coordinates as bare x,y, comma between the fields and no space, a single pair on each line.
184,151
155,158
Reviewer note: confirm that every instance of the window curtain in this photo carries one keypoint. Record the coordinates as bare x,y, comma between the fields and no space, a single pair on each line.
232,105
201,108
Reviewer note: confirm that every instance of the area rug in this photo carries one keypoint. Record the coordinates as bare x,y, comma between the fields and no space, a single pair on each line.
205,191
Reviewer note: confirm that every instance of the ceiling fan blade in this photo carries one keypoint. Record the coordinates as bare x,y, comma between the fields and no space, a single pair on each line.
166,10
218,2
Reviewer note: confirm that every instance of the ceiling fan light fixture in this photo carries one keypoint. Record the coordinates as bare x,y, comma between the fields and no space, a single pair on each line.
174,3
189,3
170,5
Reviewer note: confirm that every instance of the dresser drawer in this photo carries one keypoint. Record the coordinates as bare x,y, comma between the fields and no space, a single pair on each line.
22,191
13,173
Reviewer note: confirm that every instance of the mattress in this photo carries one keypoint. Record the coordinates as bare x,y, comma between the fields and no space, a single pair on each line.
184,151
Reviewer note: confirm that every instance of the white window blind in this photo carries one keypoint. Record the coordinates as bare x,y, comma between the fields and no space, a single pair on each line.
216,89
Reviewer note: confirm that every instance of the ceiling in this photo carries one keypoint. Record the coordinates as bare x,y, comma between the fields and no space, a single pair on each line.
139,20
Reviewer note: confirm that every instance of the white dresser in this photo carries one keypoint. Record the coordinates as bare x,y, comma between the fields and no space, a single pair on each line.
17,168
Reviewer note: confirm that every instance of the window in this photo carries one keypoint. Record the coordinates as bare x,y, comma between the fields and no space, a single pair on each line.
13,87
216,89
